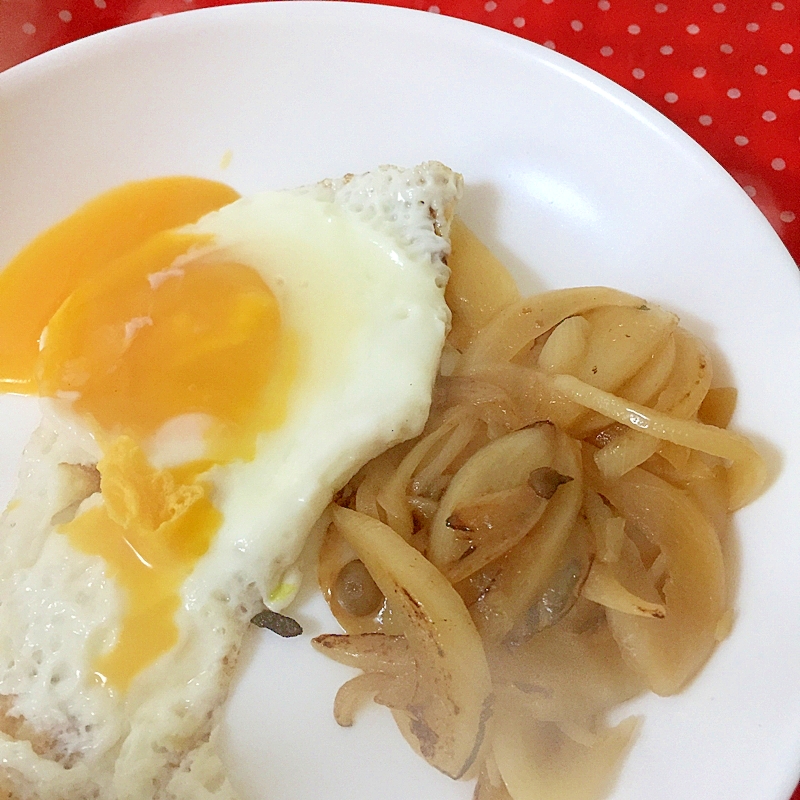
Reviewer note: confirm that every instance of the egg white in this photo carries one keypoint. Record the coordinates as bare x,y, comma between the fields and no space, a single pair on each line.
357,268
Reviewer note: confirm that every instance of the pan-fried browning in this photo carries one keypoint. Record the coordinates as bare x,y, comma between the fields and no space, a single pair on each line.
567,503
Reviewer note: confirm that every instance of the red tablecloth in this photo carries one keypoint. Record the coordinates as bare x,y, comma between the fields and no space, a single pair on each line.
727,72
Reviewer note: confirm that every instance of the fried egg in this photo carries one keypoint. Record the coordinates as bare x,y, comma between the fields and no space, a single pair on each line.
211,371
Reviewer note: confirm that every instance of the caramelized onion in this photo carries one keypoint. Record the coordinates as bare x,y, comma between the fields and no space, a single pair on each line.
563,588
570,495
718,406
445,720
370,652
502,465
522,574
539,759
670,651
747,470
604,586
489,785
515,327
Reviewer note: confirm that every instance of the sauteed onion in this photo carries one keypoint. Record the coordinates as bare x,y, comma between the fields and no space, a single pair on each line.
551,546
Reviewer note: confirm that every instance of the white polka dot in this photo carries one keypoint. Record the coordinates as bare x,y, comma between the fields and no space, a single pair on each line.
778,164
786,49
751,190
778,6
769,116
100,3
666,50
634,29
794,94
752,27
29,28
490,6
705,119
576,25
550,44
547,2
604,5
726,48
734,94
760,69
693,29
435,10
719,8
638,73
519,22
65,16
787,216
606,51
661,8
156,15
671,97
741,140
699,72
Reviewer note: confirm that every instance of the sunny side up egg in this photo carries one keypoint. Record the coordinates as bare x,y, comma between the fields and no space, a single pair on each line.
206,388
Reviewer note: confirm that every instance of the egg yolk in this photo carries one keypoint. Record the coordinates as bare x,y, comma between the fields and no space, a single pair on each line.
149,340
151,528
135,324
38,280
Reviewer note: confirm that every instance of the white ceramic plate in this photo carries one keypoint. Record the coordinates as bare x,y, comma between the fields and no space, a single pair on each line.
572,181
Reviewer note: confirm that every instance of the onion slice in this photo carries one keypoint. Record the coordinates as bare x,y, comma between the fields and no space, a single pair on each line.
670,651
446,719
747,470
539,760
503,464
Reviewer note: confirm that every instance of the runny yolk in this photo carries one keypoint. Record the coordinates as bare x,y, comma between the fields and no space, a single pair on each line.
153,338
151,528
38,280
145,324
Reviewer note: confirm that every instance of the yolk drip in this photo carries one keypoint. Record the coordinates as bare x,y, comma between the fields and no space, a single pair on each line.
38,280
145,324
150,529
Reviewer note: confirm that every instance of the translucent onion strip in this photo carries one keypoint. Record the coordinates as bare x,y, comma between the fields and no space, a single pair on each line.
690,379
445,719
670,651
503,464
747,470
392,497
539,760
479,284
517,326
624,453
386,690
603,587
520,577
621,342
651,379
565,349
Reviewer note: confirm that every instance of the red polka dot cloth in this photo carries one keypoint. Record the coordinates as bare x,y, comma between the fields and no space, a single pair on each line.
727,72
